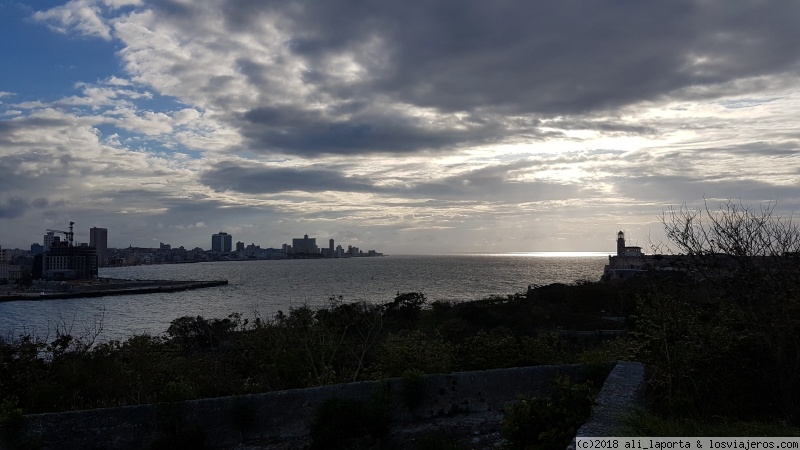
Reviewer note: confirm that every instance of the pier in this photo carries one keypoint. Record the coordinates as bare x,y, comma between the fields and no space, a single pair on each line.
106,286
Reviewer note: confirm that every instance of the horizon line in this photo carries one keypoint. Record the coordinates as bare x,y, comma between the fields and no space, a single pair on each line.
521,254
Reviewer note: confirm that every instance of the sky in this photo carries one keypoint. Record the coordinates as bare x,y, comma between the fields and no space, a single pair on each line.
422,126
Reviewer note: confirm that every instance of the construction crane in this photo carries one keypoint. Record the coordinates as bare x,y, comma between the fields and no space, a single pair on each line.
67,234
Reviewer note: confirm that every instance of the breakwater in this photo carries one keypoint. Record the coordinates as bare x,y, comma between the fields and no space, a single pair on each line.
104,287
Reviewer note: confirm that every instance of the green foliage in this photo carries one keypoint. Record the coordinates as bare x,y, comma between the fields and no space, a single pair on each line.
11,420
200,333
303,347
703,357
412,351
405,308
497,349
549,423
177,391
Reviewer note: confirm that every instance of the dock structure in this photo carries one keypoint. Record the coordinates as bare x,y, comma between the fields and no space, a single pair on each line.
104,287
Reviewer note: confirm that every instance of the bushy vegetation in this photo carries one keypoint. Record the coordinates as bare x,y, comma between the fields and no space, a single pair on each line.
725,342
343,342
549,422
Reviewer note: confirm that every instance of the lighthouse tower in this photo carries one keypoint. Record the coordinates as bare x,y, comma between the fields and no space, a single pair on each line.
620,243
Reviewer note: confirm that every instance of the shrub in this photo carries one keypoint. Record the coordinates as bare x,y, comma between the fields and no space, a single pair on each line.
549,423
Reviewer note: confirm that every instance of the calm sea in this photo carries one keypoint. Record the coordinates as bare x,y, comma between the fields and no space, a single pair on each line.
262,288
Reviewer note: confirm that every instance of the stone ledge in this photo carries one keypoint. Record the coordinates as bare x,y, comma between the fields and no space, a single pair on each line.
623,391
469,403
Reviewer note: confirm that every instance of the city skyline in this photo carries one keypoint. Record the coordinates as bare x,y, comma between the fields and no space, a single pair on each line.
221,242
423,127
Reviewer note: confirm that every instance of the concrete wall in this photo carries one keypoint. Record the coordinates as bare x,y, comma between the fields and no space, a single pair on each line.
284,416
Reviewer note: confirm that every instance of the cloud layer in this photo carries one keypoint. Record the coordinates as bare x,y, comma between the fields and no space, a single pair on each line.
426,126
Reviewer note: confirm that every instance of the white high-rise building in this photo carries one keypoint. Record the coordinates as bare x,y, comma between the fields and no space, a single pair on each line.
49,239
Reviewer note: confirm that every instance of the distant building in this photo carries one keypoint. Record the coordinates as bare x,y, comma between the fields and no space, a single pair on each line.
63,262
98,238
630,262
49,239
8,272
330,249
221,242
305,245
240,246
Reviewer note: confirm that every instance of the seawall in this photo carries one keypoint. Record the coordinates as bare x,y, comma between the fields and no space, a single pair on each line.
129,287
282,419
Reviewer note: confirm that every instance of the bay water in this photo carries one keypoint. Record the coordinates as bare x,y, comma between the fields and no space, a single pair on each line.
262,288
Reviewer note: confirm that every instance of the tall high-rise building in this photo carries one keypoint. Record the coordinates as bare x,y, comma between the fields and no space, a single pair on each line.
98,238
330,249
221,242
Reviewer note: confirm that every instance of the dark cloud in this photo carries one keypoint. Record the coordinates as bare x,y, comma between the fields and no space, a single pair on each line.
262,180
507,57
554,57
14,207
675,189
495,183
295,130
492,183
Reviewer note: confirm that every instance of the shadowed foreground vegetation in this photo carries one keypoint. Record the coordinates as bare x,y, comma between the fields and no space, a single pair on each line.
305,347
708,355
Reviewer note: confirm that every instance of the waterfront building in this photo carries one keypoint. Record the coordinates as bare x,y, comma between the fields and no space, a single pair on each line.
631,262
63,262
98,238
221,242
305,245
331,254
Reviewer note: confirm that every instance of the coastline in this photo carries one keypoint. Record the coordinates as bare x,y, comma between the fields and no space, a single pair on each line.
114,287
